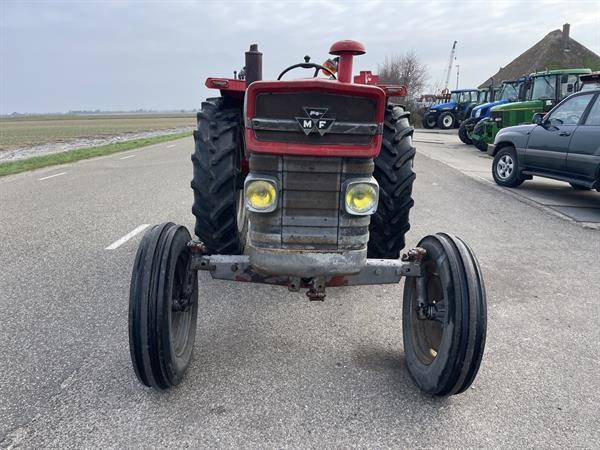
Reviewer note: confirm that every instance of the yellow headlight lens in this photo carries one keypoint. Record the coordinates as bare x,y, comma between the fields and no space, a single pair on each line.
361,198
261,195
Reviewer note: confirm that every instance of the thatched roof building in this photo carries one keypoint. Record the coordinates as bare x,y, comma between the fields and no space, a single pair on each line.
557,50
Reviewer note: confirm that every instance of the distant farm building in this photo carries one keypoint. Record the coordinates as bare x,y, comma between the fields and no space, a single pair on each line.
557,50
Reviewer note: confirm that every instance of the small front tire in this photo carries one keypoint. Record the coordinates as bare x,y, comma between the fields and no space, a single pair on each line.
480,145
163,307
463,131
428,121
444,335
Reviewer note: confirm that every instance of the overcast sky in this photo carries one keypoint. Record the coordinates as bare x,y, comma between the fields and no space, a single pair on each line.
123,55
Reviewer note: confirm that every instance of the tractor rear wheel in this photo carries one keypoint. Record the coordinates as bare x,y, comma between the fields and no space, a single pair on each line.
394,173
221,221
446,121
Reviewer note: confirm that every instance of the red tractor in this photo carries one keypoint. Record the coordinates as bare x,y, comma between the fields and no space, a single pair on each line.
307,184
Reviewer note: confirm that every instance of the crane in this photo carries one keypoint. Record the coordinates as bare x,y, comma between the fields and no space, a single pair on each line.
449,69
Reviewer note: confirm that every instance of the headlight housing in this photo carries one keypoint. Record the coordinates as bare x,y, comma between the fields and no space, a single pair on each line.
261,194
361,196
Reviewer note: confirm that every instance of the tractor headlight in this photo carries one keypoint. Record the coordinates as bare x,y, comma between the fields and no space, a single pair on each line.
477,113
260,194
362,197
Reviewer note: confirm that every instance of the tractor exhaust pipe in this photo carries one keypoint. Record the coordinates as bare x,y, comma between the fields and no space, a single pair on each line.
253,65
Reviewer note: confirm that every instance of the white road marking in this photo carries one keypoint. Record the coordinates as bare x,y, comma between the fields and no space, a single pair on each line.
52,176
171,146
127,157
128,236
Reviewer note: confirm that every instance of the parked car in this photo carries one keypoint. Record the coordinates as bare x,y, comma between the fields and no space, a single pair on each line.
563,145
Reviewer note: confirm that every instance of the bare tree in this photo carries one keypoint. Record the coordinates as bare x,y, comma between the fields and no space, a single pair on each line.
406,69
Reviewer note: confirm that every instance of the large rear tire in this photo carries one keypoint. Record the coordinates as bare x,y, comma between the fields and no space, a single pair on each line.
446,121
221,222
394,173
444,332
163,307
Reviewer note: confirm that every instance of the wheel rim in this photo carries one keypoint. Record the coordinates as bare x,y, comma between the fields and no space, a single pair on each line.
180,321
427,334
447,121
430,121
505,167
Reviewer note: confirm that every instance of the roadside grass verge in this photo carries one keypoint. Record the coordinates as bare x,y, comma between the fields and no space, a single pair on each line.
37,162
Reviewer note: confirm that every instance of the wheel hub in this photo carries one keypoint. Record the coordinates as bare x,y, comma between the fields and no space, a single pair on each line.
505,167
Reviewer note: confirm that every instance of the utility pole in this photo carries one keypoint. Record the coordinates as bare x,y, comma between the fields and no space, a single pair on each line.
457,74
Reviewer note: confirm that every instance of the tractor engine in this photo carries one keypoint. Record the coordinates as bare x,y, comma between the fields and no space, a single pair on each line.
310,190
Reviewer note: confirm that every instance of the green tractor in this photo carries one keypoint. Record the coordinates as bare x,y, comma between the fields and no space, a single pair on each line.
546,89
508,91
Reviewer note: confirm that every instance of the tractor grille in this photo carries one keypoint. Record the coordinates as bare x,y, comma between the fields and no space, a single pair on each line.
310,215
277,113
497,118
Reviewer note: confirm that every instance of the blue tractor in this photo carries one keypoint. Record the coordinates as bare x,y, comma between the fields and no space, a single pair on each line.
510,91
452,113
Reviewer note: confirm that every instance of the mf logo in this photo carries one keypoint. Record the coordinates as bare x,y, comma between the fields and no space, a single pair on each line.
315,120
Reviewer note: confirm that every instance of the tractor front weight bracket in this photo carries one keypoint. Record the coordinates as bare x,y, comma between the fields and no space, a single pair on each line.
238,268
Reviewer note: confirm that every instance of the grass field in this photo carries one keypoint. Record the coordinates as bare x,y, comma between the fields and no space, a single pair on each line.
12,167
35,130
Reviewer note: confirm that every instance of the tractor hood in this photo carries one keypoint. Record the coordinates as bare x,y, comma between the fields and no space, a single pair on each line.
443,106
482,110
315,117
490,104
515,106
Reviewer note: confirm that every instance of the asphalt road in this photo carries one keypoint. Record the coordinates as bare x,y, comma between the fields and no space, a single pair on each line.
270,368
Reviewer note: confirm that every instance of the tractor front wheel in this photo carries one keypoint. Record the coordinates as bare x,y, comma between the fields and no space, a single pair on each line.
394,173
429,121
480,145
444,317
163,307
463,131
446,121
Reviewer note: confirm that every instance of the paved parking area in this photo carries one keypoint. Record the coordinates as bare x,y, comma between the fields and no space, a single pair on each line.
556,197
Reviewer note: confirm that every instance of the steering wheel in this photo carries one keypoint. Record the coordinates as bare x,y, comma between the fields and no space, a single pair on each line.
307,65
